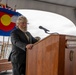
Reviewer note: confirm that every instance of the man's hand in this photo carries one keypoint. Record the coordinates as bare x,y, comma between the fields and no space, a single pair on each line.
29,46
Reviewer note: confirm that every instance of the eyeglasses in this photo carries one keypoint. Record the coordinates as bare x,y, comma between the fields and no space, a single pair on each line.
24,23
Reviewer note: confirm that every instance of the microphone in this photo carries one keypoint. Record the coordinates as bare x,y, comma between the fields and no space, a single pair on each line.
43,29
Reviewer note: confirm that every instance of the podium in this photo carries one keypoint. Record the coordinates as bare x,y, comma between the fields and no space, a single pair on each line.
53,55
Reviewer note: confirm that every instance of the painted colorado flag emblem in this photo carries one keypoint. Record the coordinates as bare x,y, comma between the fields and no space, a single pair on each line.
7,21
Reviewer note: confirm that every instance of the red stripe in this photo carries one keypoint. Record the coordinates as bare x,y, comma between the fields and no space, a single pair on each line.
6,28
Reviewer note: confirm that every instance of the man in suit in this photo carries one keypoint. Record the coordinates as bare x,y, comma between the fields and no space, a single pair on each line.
21,42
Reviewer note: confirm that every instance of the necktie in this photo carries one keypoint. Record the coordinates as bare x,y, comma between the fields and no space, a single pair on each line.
27,36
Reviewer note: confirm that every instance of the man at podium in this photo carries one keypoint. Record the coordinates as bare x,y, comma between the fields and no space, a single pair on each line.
21,41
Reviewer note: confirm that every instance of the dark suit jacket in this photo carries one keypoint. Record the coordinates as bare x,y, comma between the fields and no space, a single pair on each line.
19,42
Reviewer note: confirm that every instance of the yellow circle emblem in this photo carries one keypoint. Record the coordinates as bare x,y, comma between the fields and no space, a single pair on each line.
5,20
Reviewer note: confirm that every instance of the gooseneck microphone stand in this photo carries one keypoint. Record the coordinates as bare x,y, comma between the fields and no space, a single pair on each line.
46,30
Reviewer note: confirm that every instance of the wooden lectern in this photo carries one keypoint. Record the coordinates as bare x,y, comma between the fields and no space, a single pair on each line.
54,55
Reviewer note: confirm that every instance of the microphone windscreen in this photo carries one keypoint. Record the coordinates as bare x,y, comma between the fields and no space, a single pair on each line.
40,27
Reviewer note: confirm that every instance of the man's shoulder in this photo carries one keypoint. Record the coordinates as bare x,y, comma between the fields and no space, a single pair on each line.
15,30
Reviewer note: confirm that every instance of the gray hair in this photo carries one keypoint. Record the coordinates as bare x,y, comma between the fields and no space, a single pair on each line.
21,19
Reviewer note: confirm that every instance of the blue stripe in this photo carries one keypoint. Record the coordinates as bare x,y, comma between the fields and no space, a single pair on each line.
10,11
3,33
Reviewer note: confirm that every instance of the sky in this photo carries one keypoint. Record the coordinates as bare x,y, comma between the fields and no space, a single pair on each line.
51,21
55,23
